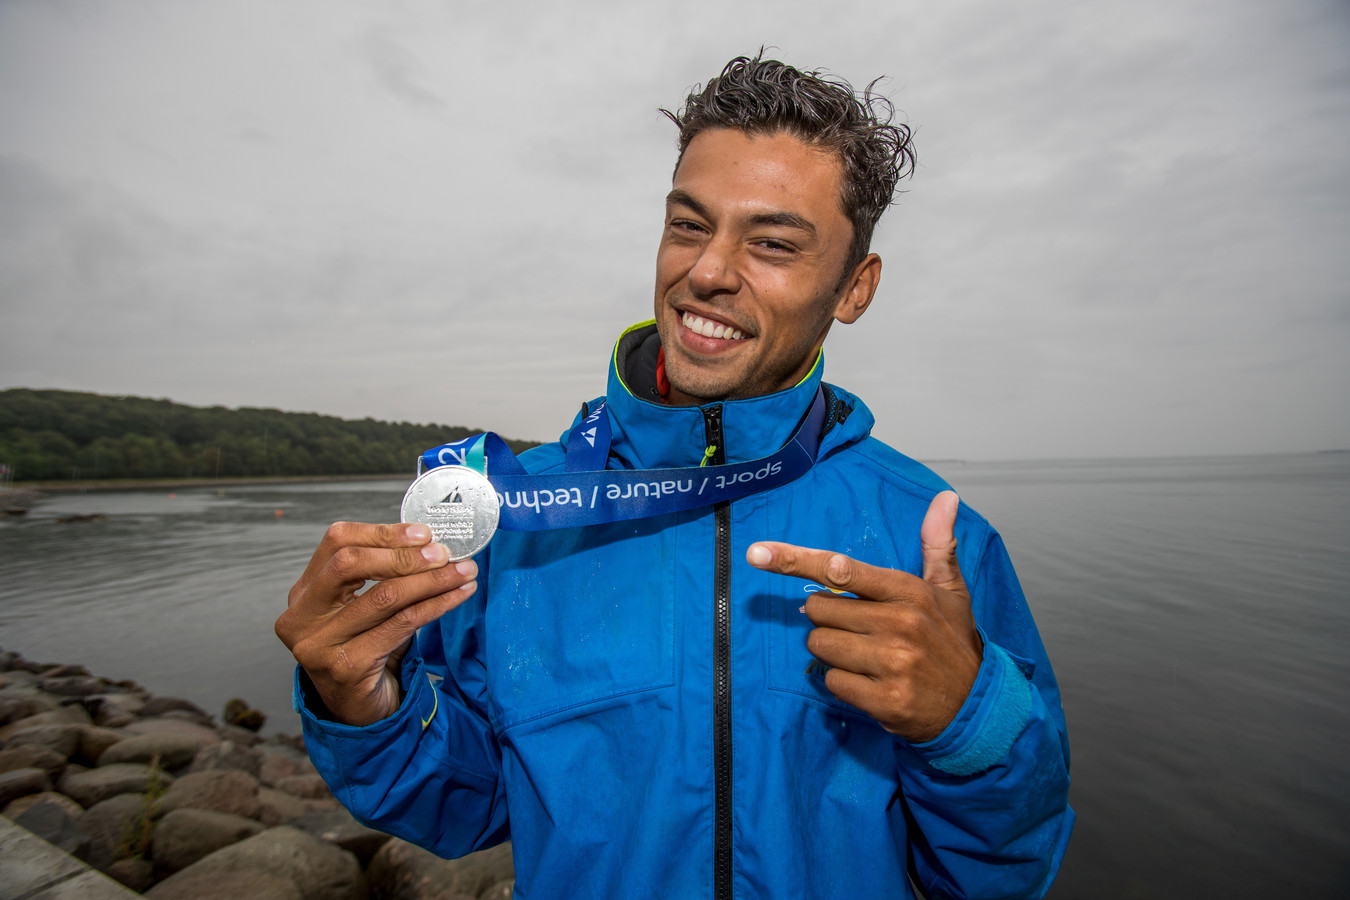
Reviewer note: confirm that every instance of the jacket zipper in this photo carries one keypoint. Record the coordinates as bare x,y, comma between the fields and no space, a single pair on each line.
712,429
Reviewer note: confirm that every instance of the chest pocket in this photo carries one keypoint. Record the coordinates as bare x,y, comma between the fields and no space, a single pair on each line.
858,522
571,622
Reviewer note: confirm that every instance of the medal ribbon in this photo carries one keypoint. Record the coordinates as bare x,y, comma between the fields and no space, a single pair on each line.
587,493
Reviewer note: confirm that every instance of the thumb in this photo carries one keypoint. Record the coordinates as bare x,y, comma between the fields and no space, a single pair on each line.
937,535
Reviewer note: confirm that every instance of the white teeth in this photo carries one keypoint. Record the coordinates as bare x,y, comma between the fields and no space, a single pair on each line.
708,328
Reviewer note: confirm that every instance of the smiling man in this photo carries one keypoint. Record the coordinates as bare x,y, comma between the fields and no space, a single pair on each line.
823,686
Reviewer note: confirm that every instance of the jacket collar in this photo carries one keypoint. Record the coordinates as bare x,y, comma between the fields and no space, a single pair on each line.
647,434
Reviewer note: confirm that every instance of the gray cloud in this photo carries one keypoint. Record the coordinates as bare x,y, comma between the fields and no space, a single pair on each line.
1125,235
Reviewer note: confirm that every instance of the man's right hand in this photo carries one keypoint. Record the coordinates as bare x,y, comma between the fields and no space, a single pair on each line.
351,644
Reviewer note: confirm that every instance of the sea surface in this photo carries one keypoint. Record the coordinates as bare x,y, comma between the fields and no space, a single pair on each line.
1197,612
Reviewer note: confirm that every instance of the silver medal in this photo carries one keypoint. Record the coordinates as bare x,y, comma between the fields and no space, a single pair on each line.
458,504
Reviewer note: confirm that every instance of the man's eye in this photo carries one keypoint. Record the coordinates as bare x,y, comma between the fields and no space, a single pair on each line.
685,225
775,246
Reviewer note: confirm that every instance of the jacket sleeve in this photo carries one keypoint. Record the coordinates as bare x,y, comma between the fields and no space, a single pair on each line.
986,801
431,772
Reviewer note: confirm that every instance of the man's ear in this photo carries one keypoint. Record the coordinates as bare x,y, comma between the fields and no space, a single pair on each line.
862,286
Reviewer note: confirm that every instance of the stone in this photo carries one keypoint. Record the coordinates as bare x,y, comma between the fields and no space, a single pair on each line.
110,717
131,704
502,890
403,871
21,783
240,714
278,808
276,766
18,807
61,738
15,706
247,885
336,826
92,786
228,754
158,706
183,715
172,750
73,685
54,823
204,736
117,829
62,670
51,713
307,787
32,756
241,736
225,790
137,874
95,741
320,870
187,835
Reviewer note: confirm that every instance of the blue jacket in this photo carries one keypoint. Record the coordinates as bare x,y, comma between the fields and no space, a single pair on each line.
634,706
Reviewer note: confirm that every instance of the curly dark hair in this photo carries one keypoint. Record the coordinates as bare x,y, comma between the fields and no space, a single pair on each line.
765,96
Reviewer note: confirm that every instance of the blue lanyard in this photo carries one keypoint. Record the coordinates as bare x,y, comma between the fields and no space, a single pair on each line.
586,493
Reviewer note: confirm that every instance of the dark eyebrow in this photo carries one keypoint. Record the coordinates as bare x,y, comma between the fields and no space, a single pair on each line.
782,219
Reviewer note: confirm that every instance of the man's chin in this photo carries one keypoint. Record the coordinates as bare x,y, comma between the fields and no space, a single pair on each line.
699,385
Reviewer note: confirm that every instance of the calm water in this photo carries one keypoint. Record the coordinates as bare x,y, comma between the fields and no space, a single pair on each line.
1195,609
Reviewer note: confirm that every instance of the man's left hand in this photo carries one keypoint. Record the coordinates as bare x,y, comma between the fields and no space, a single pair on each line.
905,650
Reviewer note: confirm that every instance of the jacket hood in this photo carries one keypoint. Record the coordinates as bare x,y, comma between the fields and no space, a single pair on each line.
648,434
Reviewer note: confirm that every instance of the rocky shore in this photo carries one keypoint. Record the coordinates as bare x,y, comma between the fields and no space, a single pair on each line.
156,794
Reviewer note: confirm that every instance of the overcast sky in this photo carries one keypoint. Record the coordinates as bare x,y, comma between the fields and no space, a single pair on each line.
1129,233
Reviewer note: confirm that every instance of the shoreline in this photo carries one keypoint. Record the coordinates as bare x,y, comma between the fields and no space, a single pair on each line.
166,799
156,484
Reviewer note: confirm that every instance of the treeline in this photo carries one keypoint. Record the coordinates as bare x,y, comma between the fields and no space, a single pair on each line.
60,435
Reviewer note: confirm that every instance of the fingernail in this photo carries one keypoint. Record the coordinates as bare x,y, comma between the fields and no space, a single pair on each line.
758,555
435,553
418,533
466,567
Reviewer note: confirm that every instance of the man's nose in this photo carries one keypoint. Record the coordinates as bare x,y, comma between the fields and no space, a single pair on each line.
715,271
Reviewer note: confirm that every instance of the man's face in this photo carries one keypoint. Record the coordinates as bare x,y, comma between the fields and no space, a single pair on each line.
748,272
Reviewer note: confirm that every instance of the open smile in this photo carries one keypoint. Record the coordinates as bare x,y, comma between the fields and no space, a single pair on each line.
711,329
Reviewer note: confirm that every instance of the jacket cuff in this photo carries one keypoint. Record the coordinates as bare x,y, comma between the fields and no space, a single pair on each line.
994,714
314,713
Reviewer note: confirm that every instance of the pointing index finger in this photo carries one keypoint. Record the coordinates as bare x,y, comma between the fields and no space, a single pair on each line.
831,569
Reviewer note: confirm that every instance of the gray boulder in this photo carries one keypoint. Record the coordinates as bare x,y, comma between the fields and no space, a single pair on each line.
32,756
62,738
336,826
204,735
54,823
307,787
187,835
137,874
320,870
228,754
172,750
117,828
276,766
278,808
158,706
94,742
225,790
246,885
403,871
21,783
23,804
73,685
90,786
